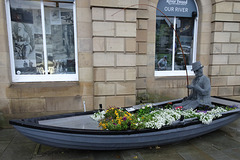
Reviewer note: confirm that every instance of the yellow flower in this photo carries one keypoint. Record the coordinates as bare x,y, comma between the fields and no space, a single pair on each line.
119,121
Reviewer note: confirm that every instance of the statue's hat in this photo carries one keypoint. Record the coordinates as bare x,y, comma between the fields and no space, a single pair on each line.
196,65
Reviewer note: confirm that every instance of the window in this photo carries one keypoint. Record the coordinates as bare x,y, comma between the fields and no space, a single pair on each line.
42,40
182,16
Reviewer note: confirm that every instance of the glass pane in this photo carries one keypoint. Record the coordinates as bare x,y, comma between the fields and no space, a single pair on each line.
185,33
27,37
60,37
164,45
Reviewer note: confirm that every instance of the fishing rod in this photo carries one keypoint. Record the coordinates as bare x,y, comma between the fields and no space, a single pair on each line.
184,59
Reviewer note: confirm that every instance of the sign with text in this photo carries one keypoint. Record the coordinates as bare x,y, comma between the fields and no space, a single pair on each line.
178,8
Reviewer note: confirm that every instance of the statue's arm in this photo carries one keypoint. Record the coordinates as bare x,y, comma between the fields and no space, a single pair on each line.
206,87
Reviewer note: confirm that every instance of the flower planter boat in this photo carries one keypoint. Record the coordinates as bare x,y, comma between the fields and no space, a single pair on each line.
80,131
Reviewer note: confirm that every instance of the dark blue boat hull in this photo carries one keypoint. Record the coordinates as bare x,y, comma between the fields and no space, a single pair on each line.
125,141
93,139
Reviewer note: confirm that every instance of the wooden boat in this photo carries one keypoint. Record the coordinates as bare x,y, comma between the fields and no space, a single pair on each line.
79,131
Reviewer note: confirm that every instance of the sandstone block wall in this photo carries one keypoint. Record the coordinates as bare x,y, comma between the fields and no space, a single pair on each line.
21,100
225,55
116,58
114,52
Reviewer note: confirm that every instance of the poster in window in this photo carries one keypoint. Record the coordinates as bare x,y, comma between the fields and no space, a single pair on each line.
62,38
39,60
47,21
68,40
37,21
56,36
55,16
67,17
22,15
38,39
23,42
25,67
50,60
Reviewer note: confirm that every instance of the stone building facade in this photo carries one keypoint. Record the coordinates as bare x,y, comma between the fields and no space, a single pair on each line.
116,54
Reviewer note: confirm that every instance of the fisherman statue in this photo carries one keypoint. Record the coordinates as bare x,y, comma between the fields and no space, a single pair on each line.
200,90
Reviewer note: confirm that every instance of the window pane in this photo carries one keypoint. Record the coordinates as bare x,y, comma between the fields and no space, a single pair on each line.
164,45
60,37
27,36
185,32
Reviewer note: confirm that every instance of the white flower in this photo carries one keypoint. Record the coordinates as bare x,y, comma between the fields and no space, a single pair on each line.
149,105
99,115
162,117
208,117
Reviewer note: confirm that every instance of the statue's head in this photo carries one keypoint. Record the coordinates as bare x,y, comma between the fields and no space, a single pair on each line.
197,68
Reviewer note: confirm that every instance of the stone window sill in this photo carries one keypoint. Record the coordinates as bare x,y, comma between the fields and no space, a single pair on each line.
44,84
175,78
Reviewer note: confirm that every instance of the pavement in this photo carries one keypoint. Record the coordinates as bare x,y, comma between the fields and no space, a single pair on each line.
216,145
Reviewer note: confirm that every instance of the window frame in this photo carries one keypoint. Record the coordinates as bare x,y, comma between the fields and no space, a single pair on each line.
189,67
44,77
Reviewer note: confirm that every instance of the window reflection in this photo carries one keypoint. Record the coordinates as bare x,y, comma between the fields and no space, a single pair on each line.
29,41
164,44
169,55
61,53
27,36
184,27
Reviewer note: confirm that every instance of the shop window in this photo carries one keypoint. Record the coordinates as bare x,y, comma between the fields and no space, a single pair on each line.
42,40
176,22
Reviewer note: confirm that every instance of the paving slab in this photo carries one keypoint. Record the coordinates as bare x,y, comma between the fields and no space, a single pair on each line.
18,151
220,140
234,153
190,152
106,155
43,152
209,149
216,145
7,134
3,146
131,154
160,153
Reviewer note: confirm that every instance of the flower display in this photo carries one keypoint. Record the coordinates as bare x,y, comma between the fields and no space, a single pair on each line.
179,107
99,115
149,117
116,119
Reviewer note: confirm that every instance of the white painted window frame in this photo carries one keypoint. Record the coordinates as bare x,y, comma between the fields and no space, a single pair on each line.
189,67
45,77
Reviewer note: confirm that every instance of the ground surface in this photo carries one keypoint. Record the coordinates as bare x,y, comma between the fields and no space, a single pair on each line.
216,145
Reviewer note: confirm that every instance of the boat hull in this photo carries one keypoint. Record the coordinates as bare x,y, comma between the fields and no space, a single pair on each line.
45,130
86,141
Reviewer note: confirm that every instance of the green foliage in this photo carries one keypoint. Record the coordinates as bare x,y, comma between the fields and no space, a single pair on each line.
118,119
149,117
229,108
168,106
144,110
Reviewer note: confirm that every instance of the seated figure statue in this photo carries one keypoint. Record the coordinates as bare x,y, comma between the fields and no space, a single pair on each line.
200,90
